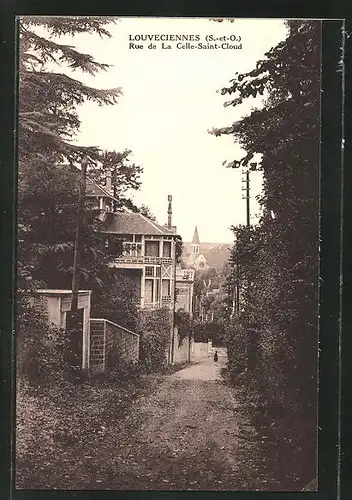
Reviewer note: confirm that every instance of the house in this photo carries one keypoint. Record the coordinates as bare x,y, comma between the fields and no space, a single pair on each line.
184,289
139,248
144,252
148,256
100,197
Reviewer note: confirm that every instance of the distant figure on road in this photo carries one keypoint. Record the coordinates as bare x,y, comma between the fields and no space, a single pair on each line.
216,356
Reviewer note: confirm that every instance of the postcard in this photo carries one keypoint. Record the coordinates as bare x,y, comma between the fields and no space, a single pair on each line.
167,317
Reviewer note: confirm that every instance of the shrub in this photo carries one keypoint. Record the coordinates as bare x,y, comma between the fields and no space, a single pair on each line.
184,324
40,347
118,369
154,328
236,340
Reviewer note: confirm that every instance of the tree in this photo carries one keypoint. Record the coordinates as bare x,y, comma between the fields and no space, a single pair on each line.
48,121
48,177
183,322
114,301
278,261
125,175
48,99
178,249
144,210
47,204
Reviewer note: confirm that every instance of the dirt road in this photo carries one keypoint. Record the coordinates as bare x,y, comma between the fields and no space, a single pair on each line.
185,435
184,431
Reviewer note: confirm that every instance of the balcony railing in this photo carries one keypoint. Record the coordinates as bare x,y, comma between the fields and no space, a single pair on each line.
165,302
143,259
151,305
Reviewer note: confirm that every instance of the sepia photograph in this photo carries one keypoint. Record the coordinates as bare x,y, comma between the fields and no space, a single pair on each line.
167,291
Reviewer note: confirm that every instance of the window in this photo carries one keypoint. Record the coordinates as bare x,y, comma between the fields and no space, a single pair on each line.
157,290
157,271
132,249
152,248
149,271
127,248
149,290
138,238
165,288
167,249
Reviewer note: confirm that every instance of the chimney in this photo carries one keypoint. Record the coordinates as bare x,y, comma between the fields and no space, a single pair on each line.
169,212
108,180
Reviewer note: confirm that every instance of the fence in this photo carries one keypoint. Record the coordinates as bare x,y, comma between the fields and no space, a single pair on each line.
107,337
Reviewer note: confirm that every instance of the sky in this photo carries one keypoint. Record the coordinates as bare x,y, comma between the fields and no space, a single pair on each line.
169,103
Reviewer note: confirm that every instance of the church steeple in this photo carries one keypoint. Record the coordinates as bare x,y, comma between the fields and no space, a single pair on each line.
195,241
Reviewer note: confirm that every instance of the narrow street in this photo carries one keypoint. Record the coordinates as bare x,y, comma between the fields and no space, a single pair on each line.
187,434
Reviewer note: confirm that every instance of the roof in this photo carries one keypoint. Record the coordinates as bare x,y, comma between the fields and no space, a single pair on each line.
93,189
195,240
133,223
194,258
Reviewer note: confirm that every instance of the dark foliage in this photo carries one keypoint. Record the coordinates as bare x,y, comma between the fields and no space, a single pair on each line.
154,328
211,330
277,262
41,349
182,320
179,249
116,301
48,178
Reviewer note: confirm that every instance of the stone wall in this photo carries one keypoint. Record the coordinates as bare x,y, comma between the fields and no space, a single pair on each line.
200,350
97,345
107,338
125,341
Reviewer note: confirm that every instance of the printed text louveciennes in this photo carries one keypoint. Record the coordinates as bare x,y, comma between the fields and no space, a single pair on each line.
184,42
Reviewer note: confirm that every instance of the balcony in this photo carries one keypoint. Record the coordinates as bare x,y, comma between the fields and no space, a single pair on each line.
166,302
151,305
141,259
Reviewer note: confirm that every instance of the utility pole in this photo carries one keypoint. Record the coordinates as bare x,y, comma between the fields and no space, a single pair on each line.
252,349
77,244
74,317
114,187
246,196
173,292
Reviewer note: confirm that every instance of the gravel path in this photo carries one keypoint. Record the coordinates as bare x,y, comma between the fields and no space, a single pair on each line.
184,431
185,435
206,369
